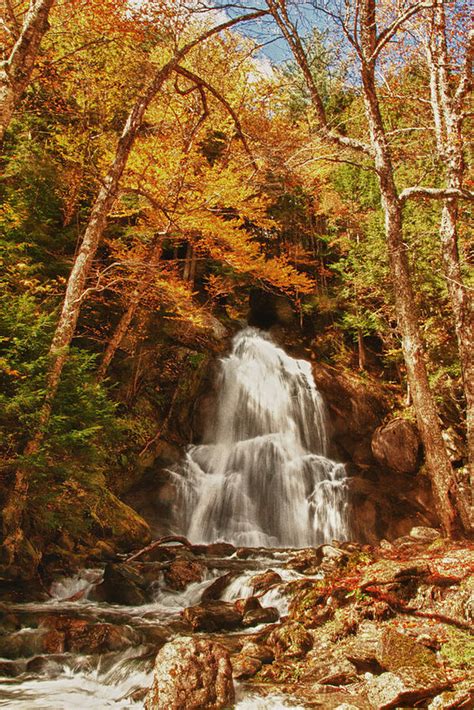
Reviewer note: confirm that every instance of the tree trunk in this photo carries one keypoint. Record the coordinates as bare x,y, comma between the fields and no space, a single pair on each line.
15,72
127,317
448,119
15,506
437,460
361,350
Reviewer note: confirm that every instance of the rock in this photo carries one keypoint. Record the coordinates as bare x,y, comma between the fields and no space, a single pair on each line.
453,567
424,534
83,636
290,640
191,674
340,673
121,585
386,571
396,650
214,590
264,615
362,649
255,650
462,699
220,549
182,572
262,582
408,685
243,606
396,445
245,666
212,616
306,560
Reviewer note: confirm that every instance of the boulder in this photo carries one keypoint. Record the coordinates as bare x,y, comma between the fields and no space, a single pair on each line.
262,582
408,685
255,650
425,534
396,650
212,616
263,615
121,585
396,445
215,589
191,674
244,666
182,572
290,640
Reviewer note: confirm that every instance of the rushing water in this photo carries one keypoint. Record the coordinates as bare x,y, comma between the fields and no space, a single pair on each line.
261,479
263,476
73,681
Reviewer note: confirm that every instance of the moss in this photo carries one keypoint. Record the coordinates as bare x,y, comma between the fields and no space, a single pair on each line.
458,650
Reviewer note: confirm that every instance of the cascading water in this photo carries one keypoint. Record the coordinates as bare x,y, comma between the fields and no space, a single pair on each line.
262,477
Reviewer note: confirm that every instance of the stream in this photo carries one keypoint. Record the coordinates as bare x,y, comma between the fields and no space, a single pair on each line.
262,480
73,676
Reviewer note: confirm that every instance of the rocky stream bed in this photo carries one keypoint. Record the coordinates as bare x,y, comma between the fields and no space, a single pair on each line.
338,626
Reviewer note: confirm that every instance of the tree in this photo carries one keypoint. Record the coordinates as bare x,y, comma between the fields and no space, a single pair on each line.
359,23
448,96
16,69
14,541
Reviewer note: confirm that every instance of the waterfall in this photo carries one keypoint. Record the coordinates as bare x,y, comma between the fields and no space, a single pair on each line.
262,477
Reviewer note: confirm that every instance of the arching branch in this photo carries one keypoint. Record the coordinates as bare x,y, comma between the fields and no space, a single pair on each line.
203,84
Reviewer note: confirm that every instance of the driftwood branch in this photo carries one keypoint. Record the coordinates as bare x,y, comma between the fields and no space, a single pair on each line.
156,543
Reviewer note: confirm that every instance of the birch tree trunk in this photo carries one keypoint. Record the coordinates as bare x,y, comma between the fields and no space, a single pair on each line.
439,466
16,70
368,44
447,107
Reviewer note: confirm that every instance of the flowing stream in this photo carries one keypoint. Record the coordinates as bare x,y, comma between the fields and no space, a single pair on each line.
263,476
262,480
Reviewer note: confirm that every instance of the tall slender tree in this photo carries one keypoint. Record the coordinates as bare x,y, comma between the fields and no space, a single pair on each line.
17,67
358,22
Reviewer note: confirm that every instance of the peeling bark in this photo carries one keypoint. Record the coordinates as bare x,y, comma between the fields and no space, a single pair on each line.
16,70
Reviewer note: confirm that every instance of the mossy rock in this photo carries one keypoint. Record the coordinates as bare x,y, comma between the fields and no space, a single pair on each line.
396,650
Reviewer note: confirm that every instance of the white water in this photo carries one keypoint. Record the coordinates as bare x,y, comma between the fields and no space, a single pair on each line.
263,476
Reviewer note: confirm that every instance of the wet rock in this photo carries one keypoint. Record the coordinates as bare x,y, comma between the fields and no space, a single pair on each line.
212,616
46,666
83,636
191,674
22,644
262,582
121,585
255,650
182,572
307,560
10,669
214,590
396,445
263,615
408,685
244,606
290,640
220,549
396,650
245,666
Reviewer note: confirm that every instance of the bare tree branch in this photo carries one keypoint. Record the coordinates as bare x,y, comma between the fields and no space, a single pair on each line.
435,193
